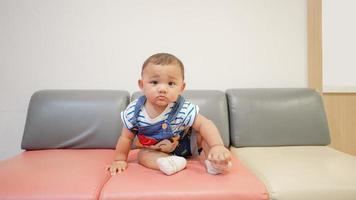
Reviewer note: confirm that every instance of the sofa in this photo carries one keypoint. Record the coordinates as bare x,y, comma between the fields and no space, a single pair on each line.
278,138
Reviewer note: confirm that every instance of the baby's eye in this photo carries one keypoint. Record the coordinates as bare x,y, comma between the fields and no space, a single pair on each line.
171,83
154,82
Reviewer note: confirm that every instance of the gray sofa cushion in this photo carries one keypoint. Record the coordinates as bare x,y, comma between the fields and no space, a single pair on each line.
212,104
276,117
74,119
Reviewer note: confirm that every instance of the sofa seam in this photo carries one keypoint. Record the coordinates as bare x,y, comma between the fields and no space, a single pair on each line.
101,187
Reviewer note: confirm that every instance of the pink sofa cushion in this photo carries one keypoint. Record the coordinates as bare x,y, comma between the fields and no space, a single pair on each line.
55,174
138,182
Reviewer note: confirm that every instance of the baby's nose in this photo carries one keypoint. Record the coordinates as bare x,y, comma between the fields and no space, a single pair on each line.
162,88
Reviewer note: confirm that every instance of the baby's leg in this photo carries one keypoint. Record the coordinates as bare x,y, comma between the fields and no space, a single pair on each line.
148,158
161,161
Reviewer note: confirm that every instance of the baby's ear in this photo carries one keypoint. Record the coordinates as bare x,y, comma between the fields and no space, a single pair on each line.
183,86
140,83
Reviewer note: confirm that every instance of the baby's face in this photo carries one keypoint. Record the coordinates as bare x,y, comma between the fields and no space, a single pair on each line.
162,84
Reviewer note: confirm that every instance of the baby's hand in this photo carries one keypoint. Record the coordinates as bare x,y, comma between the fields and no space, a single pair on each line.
116,167
220,157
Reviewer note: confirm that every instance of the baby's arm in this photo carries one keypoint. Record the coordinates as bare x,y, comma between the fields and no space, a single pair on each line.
123,147
218,154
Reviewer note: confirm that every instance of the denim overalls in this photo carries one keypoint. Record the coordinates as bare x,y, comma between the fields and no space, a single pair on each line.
152,134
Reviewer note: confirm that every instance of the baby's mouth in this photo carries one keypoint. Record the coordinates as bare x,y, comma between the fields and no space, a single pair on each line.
161,98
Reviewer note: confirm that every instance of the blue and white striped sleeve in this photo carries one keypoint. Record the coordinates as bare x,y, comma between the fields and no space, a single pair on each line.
191,112
128,114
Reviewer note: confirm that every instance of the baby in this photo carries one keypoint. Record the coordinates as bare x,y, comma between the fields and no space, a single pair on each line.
162,120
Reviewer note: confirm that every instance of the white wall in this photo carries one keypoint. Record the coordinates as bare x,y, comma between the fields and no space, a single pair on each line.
95,44
339,42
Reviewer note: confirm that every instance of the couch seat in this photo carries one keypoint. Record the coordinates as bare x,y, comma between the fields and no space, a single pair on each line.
138,182
302,172
55,174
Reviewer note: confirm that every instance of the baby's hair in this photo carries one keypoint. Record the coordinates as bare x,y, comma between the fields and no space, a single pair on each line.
163,59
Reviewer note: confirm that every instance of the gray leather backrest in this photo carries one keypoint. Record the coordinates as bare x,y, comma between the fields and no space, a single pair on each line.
212,104
74,119
276,117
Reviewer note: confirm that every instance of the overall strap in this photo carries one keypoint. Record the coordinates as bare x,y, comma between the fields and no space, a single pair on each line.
176,108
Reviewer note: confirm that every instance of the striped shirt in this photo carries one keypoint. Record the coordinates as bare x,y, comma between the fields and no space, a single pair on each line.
183,120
